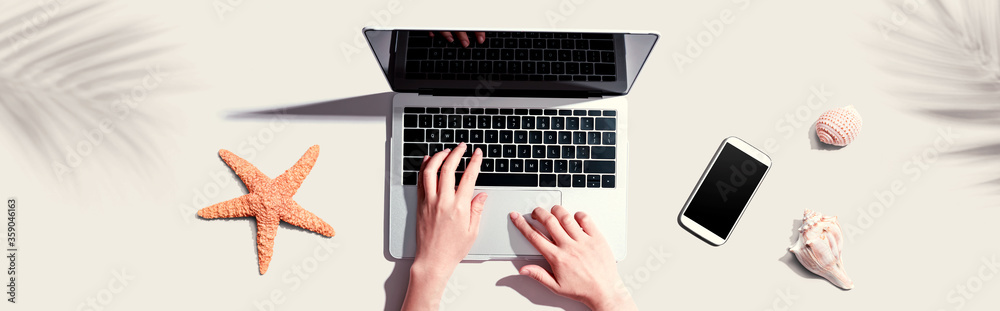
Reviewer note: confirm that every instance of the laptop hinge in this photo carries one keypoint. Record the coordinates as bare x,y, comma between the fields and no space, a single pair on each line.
510,93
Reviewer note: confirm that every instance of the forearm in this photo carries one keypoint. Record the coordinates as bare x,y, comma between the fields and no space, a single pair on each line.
426,287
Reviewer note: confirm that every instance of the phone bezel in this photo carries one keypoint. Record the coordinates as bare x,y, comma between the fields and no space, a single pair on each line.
697,229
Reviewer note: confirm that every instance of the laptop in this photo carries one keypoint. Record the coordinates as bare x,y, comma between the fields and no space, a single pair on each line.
547,109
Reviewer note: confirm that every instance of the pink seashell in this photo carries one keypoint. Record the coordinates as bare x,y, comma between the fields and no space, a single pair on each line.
819,248
839,126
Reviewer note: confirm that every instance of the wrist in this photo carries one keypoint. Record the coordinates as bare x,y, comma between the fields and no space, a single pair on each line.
430,271
614,299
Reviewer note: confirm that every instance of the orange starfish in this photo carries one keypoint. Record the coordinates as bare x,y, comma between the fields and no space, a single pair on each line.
270,201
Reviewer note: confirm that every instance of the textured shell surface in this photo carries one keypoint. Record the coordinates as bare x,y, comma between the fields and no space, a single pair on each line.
819,248
839,126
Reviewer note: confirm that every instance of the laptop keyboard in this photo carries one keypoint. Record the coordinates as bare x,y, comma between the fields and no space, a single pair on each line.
567,148
513,56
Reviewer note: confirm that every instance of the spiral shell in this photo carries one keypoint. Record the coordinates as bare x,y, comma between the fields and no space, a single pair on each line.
839,126
819,248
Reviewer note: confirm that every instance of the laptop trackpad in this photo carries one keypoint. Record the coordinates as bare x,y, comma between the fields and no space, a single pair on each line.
498,237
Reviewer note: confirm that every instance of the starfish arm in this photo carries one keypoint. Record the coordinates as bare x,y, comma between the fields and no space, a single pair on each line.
267,228
238,207
249,174
300,217
292,178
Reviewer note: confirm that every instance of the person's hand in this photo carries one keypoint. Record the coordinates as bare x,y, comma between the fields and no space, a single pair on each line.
462,36
447,224
583,267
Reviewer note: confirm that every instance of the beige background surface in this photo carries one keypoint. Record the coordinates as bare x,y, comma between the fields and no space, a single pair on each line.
268,54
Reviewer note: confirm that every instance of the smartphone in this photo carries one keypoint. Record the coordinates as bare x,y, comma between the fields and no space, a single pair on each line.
725,189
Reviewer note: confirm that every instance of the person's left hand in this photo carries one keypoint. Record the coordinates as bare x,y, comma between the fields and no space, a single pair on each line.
447,219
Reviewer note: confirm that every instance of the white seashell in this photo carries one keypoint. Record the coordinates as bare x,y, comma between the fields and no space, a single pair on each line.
819,248
839,126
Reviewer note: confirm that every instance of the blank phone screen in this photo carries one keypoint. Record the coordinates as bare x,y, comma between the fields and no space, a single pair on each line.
726,190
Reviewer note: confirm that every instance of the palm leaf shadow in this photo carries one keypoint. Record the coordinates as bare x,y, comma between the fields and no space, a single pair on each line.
64,66
947,53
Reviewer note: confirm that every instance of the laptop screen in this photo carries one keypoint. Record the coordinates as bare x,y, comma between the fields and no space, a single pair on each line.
532,63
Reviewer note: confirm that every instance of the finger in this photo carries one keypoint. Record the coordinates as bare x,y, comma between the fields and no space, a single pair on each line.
432,33
430,172
446,182
539,241
480,36
420,180
447,36
468,183
541,275
463,38
587,224
556,230
478,203
568,222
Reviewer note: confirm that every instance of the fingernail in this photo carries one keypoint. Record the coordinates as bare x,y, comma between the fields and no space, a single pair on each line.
451,39
447,150
461,143
426,156
465,43
479,151
514,215
523,272
483,198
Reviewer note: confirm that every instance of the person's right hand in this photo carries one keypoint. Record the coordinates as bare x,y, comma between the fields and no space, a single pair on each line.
462,36
583,266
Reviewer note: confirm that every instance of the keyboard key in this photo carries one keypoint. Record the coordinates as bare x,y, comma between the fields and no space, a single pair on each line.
409,178
487,166
506,137
572,123
454,121
565,180
484,122
510,151
511,180
521,137
608,181
493,136
557,122
413,135
609,138
565,137
410,120
579,181
412,163
502,165
531,166
552,152
550,137
604,69
545,166
414,150
513,122
516,165
476,136
576,166
604,124
461,136
594,138
538,152
569,152
447,136
535,112
469,122
593,181
607,167
528,123
561,166
547,180
598,152
580,138
535,137
426,120
582,152
610,113
434,148
523,151
602,45
542,123
494,151
587,124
